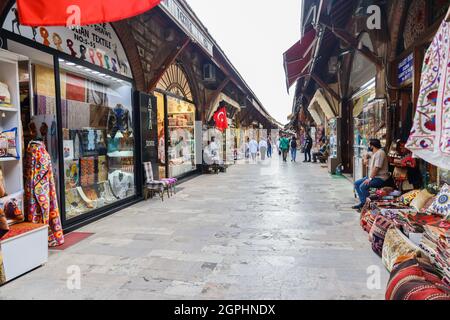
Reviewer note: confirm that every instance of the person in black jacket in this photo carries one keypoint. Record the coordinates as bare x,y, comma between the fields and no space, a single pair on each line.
293,145
308,147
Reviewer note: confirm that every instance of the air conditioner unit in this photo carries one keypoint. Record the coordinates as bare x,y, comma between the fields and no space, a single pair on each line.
333,65
209,72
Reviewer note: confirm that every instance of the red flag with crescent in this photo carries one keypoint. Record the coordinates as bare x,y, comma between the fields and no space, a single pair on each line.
220,117
79,12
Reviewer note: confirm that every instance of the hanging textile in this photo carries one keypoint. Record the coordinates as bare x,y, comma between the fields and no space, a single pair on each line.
41,203
430,135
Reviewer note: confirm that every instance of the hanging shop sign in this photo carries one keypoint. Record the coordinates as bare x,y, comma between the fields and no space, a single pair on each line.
175,11
406,70
97,44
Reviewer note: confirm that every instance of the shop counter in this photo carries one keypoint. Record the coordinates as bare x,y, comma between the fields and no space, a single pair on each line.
24,248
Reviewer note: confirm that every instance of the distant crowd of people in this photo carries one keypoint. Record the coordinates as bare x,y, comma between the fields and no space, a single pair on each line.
290,145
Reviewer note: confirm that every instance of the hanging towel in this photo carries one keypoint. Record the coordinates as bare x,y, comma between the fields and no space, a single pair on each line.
430,135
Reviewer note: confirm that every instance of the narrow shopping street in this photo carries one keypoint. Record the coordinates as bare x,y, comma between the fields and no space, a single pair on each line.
266,231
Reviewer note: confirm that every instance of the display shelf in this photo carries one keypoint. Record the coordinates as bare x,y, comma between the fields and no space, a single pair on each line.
8,109
6,159
25,251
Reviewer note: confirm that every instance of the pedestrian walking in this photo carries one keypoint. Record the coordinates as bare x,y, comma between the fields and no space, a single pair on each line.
294,149
269,148
284,147
253,147
247,149
263,149
308,147
278,146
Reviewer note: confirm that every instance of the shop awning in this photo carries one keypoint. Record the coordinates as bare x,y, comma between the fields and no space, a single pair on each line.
219,99
299,57
314,111
324,104
79,12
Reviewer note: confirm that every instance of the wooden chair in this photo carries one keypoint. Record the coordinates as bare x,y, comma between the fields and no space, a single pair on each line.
152,185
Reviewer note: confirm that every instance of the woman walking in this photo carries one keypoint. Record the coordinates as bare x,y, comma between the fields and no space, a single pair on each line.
294,149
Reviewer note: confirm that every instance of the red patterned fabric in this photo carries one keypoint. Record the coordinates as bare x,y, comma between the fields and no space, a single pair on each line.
415,279
56,13
378,232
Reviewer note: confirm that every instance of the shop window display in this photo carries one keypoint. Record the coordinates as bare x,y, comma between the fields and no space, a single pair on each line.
98,139
161,135
181,128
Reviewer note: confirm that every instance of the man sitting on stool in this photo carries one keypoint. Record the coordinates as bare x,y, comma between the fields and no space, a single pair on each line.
322,154
378,172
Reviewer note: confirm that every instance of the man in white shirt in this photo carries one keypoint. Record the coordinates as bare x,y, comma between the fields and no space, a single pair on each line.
263,149
253,146
378,173
214,148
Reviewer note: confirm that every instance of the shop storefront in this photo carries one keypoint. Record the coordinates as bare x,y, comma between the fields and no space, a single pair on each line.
67,104
369,113
325,111
76,92
177,116
228,138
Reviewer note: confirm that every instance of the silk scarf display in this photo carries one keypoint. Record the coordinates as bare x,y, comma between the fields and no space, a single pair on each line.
430,135
41,202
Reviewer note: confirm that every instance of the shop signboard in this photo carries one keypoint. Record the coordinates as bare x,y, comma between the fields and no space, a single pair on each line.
406,70
97,44
176,12
149,134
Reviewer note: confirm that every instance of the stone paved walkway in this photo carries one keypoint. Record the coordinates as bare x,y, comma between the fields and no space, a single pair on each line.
267,231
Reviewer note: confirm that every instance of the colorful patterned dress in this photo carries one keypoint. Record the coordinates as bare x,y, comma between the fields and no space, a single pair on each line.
430,135
41,203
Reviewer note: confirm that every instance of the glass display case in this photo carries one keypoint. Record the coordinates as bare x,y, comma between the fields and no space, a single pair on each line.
98,140
333,137
181,128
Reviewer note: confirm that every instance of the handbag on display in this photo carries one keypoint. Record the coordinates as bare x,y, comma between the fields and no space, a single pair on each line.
2,185
400,174
4,226
5,96
12,211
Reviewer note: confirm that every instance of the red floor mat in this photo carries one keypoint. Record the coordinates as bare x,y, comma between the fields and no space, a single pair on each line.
72,239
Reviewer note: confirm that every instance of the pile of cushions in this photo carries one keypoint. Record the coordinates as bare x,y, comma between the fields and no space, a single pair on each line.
436,243
411,234
414,278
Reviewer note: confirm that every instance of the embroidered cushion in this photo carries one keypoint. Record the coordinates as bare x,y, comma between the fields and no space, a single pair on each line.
421,199
396,244
441,205
407,198
378,233
427,207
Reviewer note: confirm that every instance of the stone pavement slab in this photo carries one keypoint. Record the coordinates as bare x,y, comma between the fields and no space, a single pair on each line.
266,231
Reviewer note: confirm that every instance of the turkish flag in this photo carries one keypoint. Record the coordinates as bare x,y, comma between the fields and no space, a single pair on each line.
79,12
220,117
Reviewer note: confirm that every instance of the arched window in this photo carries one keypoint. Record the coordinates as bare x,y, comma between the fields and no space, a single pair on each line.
175,81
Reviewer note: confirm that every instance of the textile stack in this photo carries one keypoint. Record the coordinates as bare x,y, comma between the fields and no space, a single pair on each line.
435,242
411,234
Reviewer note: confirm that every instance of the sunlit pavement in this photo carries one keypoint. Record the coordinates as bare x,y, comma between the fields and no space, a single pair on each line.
266,231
